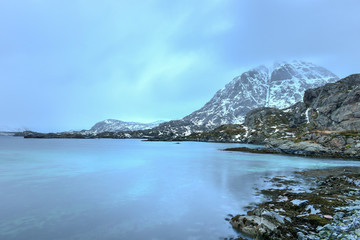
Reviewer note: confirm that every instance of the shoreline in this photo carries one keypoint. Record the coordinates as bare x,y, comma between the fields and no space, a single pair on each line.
294,152
304,148
316,204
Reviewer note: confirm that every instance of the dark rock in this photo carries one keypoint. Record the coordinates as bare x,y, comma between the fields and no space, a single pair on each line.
337,104
305,214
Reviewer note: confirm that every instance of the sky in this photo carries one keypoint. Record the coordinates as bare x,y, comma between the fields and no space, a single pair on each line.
65,65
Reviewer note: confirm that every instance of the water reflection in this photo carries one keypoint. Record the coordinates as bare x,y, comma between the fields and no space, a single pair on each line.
128,189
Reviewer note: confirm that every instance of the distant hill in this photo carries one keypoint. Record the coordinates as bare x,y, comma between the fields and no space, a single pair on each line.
4,133
113,125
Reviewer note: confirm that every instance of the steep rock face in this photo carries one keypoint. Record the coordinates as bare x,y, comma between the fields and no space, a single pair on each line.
278,86
289,81
335,106
113,125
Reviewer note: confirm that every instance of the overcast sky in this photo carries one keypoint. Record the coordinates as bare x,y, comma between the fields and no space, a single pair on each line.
68,64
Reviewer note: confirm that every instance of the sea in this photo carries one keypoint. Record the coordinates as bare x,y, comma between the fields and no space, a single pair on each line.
111,189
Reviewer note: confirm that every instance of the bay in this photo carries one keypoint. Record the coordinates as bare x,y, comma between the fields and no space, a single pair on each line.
130,189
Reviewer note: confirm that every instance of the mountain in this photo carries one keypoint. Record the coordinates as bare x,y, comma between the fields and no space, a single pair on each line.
279,85
326,124
113,125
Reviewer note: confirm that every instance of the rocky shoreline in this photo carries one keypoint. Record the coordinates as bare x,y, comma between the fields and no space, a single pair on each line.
295,151
319,144
313,205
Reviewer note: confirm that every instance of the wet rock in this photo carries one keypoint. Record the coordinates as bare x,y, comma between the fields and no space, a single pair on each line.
301,236
339,215
253,226
326,210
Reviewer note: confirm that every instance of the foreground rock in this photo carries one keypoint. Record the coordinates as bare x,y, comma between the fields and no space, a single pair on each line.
345,224
326,207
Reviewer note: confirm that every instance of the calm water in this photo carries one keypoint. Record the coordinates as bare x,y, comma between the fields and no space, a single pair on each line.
129,189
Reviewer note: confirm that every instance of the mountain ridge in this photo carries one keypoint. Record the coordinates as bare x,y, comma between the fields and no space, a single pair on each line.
279,85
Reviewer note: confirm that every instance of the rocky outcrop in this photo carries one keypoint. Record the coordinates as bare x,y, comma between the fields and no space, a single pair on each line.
260,224
335,106
313,144
224,133
264,123
326,124
260,125
174,129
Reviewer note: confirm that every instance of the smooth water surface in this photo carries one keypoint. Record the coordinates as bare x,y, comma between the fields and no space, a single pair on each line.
129,189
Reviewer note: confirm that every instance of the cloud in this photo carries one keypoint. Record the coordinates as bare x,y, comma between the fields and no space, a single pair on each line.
72,63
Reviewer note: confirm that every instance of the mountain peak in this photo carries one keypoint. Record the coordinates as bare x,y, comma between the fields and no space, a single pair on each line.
279,85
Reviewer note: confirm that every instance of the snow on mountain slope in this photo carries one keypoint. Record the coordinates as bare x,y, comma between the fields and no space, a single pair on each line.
288,82
113,125
280,86
230,104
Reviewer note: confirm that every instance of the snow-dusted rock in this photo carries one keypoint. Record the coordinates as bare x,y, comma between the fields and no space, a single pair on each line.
113,125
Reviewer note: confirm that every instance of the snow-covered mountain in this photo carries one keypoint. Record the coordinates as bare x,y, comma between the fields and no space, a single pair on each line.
279,85
113,125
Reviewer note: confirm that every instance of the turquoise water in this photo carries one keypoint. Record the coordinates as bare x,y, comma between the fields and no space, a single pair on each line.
129,189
